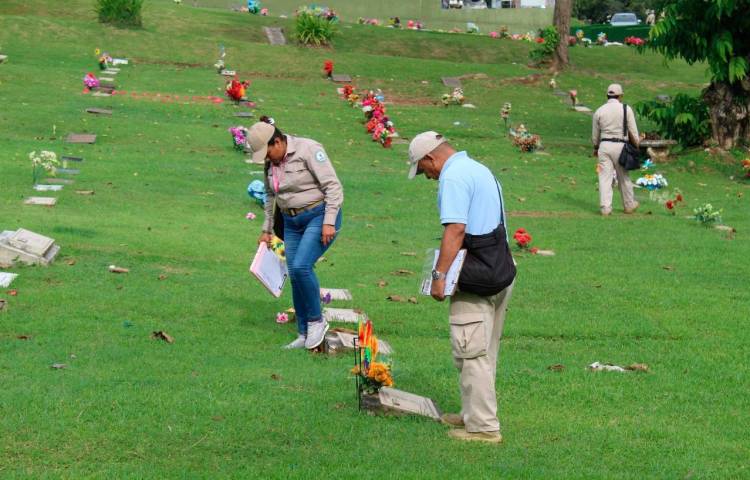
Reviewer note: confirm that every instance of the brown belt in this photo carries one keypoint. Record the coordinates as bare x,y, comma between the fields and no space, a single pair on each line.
293,212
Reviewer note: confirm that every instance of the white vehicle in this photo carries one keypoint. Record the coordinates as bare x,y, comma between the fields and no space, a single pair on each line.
624,20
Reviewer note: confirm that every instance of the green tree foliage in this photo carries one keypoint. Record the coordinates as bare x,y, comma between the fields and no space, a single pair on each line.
543,51
126,13
685,118
716,32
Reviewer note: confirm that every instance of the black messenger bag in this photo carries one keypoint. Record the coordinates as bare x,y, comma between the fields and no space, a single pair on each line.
630,157
488,267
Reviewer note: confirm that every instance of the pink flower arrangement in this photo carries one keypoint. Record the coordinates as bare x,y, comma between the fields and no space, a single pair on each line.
264,12
494,34
90,81
239,136
250,216
282,317
573,97
634,41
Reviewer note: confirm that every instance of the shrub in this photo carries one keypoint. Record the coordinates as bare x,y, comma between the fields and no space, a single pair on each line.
544,49
120,12
313,29
684,118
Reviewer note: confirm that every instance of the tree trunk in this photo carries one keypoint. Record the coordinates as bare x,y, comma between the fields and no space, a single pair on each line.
562,24
729,108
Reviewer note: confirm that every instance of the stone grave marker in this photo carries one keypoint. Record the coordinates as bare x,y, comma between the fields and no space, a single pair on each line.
101,94
47,188
399,141
453,82
68,171
244,114
228,73
341,78
68,158
99,111
43,201
560,93
582,109
26,247
59,181
336,293
275,35
110,72
81,138
397,402
106,79
346,315
3,58
105,89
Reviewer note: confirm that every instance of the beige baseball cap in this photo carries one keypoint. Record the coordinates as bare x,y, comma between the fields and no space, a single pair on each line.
257,139
420,146
614,89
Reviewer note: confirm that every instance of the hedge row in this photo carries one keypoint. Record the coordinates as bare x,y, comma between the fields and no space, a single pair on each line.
614,34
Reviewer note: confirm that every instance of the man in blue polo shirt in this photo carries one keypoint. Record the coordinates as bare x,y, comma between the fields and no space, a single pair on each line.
471,204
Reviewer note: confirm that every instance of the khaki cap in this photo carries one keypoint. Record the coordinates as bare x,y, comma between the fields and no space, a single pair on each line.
614,89
420,146
258,137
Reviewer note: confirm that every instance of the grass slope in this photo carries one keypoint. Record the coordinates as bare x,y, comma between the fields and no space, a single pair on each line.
224,401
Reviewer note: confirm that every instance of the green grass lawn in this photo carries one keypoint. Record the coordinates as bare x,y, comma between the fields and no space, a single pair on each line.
224,401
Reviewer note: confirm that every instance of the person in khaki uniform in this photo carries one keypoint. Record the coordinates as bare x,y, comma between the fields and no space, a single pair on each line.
471,204
302,182
608,137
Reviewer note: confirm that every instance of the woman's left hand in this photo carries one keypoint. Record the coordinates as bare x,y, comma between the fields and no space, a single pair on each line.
329,232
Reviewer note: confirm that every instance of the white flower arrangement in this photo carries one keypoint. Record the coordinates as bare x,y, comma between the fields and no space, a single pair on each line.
706,215
652,182
45,160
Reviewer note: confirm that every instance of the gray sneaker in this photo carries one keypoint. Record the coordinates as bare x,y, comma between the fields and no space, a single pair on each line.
298,342
316,333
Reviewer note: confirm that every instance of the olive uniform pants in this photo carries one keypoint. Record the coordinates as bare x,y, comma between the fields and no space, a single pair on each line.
476,327
609,165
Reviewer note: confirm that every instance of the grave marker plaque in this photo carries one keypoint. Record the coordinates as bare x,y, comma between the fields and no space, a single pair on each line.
336,293
43,201
275,35
81,138
68,171
397,402
341,78
228,73
3,58
101,94
59,181
346,315
99,111
47,188
244,114
68,158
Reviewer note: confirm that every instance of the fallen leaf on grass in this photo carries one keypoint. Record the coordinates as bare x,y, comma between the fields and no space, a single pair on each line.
275,377
637,367
162,277
394,298
217,418
412,300
116,269
13,293
162,335
369,225
382,283
24,337
521,199
58,366
3,303
71,261
668,268
85,192
409,254
558,367
402,272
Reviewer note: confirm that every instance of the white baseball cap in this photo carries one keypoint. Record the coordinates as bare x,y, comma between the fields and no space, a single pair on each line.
614,89
420,146
258,137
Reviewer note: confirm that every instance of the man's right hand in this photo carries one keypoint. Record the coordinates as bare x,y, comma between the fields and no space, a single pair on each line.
266,238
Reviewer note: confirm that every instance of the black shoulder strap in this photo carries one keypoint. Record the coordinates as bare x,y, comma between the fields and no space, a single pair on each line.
500,196
625,121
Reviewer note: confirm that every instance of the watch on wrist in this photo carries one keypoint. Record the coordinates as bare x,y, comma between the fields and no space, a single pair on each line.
437,275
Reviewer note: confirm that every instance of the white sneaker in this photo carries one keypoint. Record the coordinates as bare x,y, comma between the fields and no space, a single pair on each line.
316,333
298,342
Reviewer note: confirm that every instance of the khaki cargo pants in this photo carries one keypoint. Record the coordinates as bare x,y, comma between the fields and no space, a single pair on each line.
609,165
476,327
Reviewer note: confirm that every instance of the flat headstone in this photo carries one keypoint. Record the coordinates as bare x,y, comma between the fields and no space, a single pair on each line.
44,201
250,160
469,105
106,79
560,93
6,278
26,247
3,58
275,35
59,181
582,109
110,72
47,188
228,73
336,293
81,138
400,141
664,98
105,88
391,401
101,94
68,158
346,315
452,82
244,114
68,171
99,111
341,78
120,61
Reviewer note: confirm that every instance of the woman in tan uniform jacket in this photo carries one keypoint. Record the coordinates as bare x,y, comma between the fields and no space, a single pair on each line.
301,181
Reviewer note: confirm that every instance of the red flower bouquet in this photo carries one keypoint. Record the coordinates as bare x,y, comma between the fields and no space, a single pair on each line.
522,238
236,90
328,68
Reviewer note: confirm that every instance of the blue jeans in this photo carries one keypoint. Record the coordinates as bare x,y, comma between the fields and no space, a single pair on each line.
304,248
